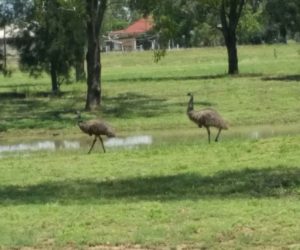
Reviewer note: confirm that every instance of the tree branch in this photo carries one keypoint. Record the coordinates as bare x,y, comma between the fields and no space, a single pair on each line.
241,6
100,13
223,17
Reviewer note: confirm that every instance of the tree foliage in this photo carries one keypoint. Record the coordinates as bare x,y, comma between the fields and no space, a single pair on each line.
282,17
13,11
251,26
118,16
50,42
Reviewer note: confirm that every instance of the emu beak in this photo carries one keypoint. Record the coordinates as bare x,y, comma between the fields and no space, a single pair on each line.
78,114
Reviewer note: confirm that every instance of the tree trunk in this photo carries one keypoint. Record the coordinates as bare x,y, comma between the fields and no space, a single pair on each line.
229,22
93,99
95,10
54,80
233,67
4,51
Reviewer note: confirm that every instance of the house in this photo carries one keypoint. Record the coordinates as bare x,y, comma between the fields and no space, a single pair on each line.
7,51
137,36
8,35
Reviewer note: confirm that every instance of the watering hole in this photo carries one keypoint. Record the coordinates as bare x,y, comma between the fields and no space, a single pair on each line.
154,138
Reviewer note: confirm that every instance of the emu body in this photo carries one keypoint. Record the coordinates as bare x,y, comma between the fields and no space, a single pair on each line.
207,118
96,128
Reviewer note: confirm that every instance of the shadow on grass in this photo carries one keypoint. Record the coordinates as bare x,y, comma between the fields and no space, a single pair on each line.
22,95
20,111
129,105
183,78
282,78
12,95
24,85
271,182
133,104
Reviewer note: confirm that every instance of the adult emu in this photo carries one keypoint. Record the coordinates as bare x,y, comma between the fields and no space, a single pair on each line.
207,118
96,128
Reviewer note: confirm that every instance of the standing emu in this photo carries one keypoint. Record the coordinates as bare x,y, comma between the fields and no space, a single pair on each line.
206,117
96,128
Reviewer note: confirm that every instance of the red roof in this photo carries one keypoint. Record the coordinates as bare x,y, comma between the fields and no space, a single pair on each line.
140,26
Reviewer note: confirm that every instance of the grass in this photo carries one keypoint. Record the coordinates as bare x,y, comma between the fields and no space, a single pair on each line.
241,193
141,95
235,194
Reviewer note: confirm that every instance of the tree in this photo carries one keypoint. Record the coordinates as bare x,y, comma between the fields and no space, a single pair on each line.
283,17
50,43
95,10
5,18
76,28
230,13
59,28
95,14
181,17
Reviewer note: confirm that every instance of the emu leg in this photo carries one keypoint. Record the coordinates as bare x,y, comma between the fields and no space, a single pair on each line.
217,137
94,141
208,132
101,143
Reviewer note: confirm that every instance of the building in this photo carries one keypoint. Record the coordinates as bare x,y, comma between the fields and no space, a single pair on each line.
137,36
8,35
7,51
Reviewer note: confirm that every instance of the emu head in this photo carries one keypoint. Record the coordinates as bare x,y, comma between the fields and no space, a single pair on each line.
191,102
78,116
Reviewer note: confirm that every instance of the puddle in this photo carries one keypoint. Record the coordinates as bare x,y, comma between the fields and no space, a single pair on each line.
128,142
157,137
256,133
40,145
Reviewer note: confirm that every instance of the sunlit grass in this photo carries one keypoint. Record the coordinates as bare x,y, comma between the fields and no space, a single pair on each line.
233,194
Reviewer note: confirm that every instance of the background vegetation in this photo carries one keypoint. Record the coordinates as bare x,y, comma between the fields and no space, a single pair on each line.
142,95
57,36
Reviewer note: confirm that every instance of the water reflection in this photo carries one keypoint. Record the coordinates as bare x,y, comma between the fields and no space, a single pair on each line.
127,142
257,133
40,145
157,137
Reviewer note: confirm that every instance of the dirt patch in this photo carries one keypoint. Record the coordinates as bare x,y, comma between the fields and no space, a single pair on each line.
108,247
124,247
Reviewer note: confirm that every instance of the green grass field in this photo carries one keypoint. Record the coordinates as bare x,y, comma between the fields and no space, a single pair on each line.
180,192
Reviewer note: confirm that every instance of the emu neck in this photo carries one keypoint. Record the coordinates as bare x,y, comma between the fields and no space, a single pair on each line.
190,104
82,126
79,120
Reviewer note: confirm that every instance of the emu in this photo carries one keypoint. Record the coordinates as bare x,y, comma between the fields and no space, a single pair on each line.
96,128
206,117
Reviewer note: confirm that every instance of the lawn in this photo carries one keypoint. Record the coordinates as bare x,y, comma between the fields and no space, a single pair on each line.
180,192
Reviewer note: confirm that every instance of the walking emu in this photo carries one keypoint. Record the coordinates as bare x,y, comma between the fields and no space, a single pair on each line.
206,117
96,128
